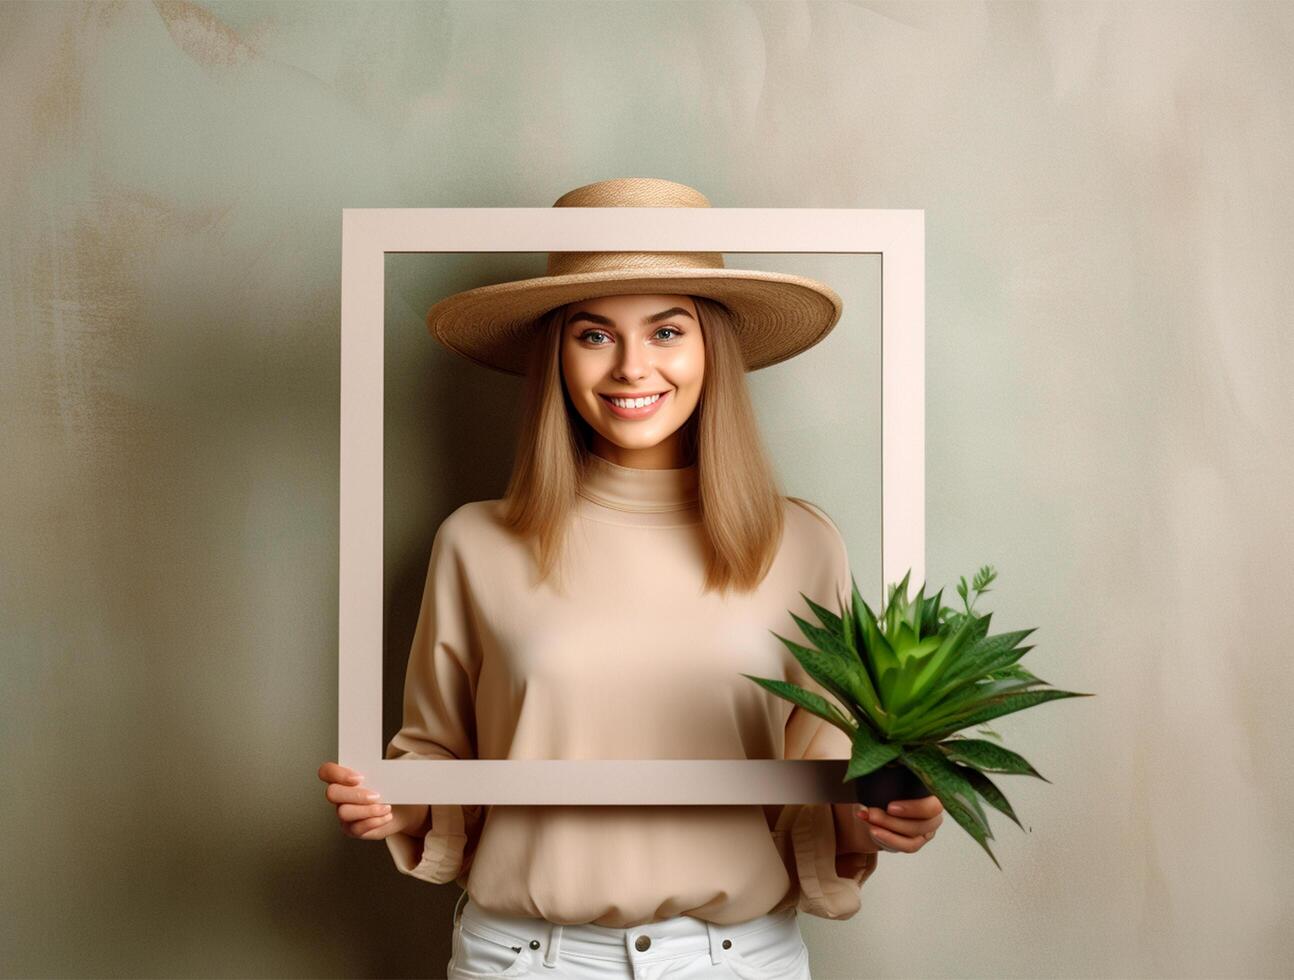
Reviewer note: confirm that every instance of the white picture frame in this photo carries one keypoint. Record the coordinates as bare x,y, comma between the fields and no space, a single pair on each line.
368,234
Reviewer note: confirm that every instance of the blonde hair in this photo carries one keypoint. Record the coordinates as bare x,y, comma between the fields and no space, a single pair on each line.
740,501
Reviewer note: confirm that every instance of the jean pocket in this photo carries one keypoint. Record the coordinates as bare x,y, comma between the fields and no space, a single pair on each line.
477,957
762,956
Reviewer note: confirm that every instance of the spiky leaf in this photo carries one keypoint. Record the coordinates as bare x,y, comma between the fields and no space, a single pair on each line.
988,757
948,650
930,618
807,700
955,792
1002,705
829,620
869,754
971,698
986,788
977,658
875,648
828,671
859,685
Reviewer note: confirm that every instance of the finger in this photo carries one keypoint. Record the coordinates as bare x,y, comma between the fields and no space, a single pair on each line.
896,842
877,817
341,793
368,829
350,812
920,809
335,772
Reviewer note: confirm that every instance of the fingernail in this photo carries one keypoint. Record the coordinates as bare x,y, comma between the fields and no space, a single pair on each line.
863,814
895,808
372,796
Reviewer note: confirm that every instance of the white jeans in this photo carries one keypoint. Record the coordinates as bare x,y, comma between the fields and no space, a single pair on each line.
487,945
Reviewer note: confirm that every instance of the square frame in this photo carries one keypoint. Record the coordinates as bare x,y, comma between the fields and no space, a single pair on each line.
368,234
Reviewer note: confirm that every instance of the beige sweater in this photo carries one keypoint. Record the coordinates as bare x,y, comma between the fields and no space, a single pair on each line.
633,662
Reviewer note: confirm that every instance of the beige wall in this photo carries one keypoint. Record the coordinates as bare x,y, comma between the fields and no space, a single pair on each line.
1109,422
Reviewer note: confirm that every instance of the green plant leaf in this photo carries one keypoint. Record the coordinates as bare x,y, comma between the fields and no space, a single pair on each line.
988,757
916,609
856,682
826,617
807,700
986,788
1017,671
949,651
977,658
913,661
889,676
955,792
1004,704
982,579
828,671
869,754
872,643
930,615
967,700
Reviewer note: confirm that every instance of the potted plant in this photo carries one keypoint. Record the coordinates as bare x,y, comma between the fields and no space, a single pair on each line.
909,680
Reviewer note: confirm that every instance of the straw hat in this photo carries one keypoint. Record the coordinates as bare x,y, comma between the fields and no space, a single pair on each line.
777,316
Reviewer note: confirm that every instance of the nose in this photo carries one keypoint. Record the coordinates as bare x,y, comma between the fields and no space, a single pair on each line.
634,364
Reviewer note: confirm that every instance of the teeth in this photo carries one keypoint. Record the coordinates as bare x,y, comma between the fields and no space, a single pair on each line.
634,402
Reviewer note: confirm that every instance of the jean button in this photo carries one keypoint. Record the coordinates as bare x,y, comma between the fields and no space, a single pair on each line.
534,944
727,944
642,943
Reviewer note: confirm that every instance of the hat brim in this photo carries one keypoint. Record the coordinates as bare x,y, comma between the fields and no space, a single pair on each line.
776,315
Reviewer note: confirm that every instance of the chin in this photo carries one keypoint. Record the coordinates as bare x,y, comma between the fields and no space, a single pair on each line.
630,438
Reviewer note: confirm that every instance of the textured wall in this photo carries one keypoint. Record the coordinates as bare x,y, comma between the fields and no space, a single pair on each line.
1109,422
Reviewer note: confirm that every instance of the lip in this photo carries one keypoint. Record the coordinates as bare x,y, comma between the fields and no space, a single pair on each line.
635,413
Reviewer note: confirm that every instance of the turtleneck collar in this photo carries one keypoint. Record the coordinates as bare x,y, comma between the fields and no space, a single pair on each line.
632,491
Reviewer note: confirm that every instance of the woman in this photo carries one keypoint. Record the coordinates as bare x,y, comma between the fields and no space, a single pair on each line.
607,607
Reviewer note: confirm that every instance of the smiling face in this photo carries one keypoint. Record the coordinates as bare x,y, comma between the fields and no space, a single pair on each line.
635,346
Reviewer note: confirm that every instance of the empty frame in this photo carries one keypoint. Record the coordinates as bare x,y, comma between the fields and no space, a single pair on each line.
368,235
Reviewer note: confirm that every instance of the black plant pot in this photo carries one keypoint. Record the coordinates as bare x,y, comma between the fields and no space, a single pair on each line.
892,781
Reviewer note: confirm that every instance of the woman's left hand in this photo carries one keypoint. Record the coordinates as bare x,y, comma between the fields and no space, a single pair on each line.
906,825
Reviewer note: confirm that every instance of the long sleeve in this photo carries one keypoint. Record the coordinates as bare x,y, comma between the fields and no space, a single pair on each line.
830,876
439,717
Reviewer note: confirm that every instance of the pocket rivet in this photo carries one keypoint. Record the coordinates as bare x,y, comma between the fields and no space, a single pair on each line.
534,944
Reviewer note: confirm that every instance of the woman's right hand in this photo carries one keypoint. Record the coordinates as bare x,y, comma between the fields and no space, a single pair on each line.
361,811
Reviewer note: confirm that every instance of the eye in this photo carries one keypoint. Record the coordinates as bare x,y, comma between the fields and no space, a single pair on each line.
587,335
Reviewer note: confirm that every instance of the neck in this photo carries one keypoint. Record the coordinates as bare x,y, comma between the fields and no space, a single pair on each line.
635,492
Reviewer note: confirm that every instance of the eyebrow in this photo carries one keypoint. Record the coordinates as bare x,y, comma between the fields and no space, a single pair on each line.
608,322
